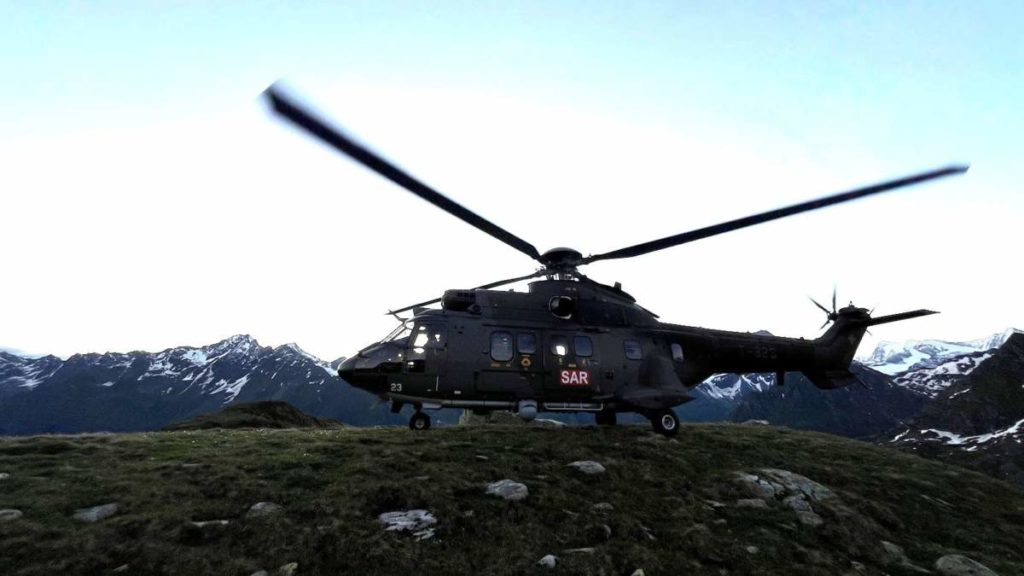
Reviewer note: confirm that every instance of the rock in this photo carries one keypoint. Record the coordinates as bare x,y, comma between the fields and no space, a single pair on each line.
8,514
638,572
602,507
809,519
509,490
205,523
288,569
798,503
957,565
548,561
752,549
96,513
757,486
121,569
797,483
588,467
720,522
751,503
261,509
578,551
417,522
894,556
484,459
604,532
4,475
714,504
648,533
893,553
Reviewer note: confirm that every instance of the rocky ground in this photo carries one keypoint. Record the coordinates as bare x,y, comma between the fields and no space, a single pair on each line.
719,499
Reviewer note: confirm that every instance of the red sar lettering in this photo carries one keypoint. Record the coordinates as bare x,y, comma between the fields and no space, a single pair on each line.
575,378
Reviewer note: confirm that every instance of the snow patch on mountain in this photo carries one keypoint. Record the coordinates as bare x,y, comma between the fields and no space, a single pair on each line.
949,438
195,356
932,381
230,388
894,358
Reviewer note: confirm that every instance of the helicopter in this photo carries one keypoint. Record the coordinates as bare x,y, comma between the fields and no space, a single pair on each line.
572,344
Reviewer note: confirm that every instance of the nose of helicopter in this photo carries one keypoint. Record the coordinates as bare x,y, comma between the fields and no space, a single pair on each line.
369,368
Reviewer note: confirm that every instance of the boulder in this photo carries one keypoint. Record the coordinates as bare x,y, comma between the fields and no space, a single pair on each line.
96,513
4,475
261,509
957,565
419,523
205,523
588,467
8,514
508,490
288,569
548,561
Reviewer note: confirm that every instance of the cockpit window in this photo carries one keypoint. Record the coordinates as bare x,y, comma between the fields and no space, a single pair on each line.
429,336
401,332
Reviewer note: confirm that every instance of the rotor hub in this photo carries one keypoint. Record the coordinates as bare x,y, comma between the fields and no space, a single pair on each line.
561,258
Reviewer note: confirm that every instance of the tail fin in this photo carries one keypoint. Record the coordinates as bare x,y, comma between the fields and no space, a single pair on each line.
837,346
898,317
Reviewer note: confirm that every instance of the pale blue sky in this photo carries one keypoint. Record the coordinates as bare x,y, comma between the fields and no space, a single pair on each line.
135,137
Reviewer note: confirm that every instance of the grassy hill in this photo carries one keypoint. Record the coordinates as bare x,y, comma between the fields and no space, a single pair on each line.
688,505
265,414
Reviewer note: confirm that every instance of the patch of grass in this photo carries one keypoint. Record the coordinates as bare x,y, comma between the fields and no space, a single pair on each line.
332,484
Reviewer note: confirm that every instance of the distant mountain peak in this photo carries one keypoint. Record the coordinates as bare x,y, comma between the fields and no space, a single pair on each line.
239,342
898,357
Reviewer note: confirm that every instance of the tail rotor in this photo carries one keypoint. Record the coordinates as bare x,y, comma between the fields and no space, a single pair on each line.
830,315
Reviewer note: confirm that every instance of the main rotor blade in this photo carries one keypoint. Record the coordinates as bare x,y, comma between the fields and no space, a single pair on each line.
731,225
346,145
484,287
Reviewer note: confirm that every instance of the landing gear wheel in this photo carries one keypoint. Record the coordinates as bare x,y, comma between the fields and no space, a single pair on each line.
419,421
665,422
605,418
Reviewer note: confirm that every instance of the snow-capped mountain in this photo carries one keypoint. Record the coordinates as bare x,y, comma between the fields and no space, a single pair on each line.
732,386
978,420
894,358
856,411
145,391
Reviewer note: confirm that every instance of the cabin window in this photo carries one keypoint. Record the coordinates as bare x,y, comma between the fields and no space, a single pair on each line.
526,342
677,352
633,349
559,346
501,346
584,347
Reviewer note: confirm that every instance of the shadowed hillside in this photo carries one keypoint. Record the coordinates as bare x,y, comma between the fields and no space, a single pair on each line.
720,499
268,414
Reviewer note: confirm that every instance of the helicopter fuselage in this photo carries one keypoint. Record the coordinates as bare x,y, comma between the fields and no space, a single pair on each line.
571,346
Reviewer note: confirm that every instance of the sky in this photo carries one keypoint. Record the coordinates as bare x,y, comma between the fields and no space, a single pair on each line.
149,199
